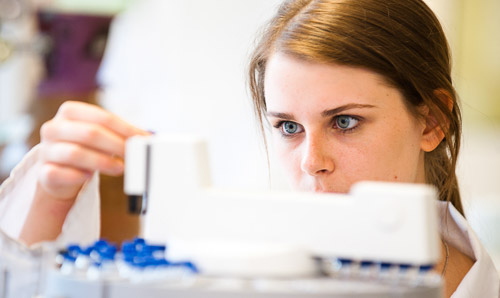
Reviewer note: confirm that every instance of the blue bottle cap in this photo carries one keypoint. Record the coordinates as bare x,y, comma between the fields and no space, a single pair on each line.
345,261
128,246
86,251
107,255
365,264
385,265
74,250
426,268
138,240
73,247
111,249
100,243
157,247
69,257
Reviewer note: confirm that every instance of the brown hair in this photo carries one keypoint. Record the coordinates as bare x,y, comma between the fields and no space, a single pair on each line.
402,40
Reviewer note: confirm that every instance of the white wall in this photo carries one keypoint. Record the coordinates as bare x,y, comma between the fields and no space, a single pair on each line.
179,66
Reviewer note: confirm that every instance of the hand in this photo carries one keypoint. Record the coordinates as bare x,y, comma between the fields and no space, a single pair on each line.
78,141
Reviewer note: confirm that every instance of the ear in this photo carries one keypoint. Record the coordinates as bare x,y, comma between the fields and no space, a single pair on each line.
433,132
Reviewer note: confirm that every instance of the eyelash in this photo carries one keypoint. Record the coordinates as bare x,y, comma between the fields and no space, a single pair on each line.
279,125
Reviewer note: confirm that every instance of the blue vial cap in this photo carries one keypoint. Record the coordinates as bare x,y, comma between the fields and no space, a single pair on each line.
69,257
404,266
108,249
100,243
365,264
385,265
426,268
128,246
95,254
74,250
156,262
86,251
73,247
111,248
157,247
138,240
107,255
345,261
140,259
145,249
127,254
153,248
143,254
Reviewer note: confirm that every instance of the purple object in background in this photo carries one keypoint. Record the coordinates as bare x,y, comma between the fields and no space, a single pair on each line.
77,47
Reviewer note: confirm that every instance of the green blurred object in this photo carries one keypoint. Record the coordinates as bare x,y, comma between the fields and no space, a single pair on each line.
108,7
479,61
5,51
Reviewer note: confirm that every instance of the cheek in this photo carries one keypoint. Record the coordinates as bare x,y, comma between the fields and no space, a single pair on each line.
288,156
391,156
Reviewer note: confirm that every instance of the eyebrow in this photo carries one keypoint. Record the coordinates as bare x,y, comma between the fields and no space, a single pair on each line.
326,113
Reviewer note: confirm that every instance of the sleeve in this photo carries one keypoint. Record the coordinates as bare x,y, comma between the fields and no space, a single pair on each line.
82,225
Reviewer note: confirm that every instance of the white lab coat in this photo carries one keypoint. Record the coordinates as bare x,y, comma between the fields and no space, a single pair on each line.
82,226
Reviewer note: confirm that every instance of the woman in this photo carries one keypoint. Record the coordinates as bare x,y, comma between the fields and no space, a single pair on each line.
362,90
355,90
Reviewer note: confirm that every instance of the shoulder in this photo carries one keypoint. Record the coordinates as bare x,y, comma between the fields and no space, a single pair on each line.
481,278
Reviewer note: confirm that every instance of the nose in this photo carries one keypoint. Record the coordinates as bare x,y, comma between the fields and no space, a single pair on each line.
316,158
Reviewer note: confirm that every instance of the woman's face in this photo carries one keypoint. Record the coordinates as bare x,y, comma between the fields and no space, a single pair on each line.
336,125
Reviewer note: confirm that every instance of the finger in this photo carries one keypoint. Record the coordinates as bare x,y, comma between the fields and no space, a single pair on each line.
89,113
62,182
80,157
87,134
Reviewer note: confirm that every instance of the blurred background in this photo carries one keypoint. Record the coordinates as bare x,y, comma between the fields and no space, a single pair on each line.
179,66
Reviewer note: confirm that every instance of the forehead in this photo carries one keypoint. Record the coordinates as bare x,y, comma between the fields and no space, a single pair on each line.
294,84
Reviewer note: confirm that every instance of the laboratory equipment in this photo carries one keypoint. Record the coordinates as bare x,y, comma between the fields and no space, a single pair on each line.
140,269
245,233
379,240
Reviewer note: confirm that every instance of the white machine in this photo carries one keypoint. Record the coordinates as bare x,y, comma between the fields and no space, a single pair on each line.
241,233
380,240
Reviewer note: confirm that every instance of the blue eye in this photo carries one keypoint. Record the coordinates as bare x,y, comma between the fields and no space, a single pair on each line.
345,122
290,127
